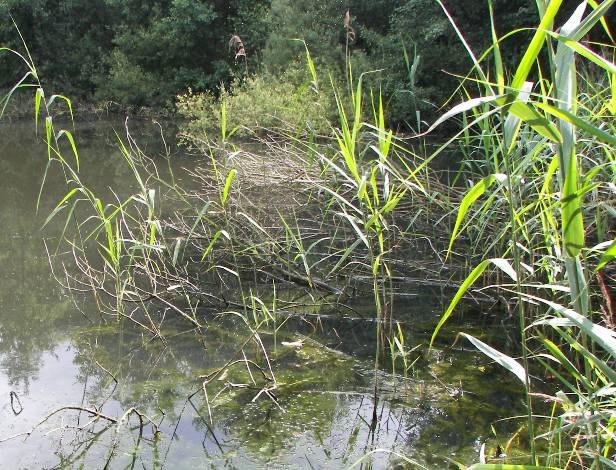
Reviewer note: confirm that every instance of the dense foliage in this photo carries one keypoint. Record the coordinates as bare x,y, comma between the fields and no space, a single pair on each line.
132,52
145,53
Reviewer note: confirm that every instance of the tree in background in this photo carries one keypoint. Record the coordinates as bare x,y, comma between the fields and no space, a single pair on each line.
410,44
176,44
137,52
421,51
133,52
68,41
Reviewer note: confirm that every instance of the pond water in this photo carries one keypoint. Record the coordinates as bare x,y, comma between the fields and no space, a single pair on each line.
59,359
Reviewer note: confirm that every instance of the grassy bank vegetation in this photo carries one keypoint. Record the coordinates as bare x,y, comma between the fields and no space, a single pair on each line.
288,103
326,197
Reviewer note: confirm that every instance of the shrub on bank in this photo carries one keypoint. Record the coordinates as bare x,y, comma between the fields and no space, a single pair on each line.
258,103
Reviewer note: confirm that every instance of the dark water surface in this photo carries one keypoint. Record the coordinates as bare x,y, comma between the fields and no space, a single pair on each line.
56,353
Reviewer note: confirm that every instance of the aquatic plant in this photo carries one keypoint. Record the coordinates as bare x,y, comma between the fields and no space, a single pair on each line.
344,207
530,134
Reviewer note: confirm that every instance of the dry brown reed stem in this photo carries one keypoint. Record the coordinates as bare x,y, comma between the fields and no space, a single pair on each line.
278,180
608,310
350,32
237,45
349,37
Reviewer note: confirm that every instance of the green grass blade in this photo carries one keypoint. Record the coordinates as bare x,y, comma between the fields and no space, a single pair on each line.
507,362
586,52
536,44
463,107
505,266
228,182
498,61
604,337
535,119
48,135
558,355
7,96
601,367
606,28
60,206
345,255
69,137
311,67
608,255
513,123
572,220
591,20
68,102
353,221
39,95
471,196
500,263
566,90
213,241
465,44
468,282
578,122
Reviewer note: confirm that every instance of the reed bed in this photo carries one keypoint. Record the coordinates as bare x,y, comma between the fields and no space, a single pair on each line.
359,210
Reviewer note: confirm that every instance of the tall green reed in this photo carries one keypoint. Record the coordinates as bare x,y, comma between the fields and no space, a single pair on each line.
561,132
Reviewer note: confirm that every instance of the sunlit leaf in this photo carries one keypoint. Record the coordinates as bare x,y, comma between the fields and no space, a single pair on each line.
225,191
535,46
608,255
507,362
471,196
604,337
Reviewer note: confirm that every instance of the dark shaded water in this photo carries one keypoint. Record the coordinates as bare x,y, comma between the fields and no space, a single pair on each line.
55,353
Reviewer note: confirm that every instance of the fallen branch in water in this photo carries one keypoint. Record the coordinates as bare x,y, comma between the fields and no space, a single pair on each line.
95,413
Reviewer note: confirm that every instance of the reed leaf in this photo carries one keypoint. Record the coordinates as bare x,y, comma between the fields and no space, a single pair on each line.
591,20
464,107
559,357
66,100
476,64
572,220
210,247
600,366
594,5
604,337
608,255
578,122
228,182
475,274
498,61
585,52
70,138
38,96
529,115
536,45
513,123
311,67
507,362
471,196
354,223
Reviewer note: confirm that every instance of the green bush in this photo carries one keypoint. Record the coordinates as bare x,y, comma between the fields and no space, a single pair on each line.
127,83
260,103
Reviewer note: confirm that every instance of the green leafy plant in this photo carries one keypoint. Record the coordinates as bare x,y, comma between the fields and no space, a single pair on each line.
555,117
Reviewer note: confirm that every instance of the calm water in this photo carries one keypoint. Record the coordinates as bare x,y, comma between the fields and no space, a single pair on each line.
56,352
